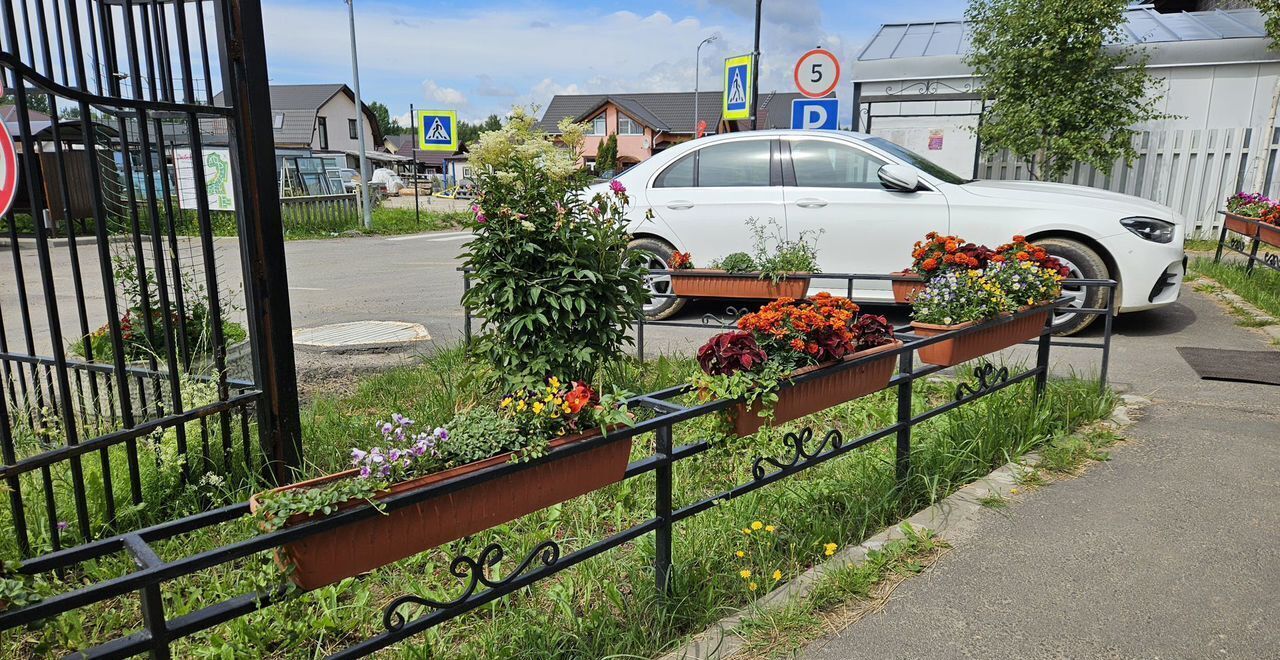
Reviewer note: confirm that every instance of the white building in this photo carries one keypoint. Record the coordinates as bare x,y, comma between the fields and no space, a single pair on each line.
1215,73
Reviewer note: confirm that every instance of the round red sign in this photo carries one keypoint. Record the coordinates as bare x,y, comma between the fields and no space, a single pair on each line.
817,73
8,172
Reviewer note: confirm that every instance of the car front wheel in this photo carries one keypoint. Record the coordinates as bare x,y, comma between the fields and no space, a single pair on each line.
1083,263
661,305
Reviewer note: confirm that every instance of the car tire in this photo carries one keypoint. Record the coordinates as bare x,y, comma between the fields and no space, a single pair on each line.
659,256
1085,263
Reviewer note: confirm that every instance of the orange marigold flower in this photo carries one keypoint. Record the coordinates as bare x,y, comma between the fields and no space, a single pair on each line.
930,264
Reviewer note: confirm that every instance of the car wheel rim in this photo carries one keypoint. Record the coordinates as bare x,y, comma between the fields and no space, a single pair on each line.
1078,294
659,285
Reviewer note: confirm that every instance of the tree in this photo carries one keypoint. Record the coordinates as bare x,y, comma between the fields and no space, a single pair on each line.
469,133
1058,92
1271,12
607,155
386,125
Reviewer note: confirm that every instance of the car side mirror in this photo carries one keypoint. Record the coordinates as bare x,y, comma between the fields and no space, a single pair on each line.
899,178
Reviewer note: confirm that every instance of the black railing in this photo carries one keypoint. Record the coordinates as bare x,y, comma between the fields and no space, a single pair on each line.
665,409
1254,242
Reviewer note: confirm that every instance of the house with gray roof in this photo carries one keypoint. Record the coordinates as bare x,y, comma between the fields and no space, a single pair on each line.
647,123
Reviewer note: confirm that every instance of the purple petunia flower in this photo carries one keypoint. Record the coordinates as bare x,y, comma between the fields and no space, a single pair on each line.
63,525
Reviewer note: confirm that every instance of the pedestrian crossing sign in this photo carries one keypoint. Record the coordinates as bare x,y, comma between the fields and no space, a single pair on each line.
737,87
438,130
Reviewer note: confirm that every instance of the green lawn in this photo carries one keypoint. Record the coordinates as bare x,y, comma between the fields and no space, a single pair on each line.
1261,288
605,606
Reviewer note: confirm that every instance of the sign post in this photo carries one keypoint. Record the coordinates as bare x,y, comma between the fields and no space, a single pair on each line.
738,90
817,73
438,130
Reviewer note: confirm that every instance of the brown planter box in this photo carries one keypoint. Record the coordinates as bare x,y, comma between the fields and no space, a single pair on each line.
907,285
1240,225
818,394
350,550
996,334
1269,234
694,283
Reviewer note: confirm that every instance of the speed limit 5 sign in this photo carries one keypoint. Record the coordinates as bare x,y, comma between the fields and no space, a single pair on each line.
817,73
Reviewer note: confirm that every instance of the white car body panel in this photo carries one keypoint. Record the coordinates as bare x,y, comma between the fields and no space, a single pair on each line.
872,230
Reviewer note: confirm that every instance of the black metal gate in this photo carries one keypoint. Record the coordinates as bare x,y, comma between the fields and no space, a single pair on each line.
142,359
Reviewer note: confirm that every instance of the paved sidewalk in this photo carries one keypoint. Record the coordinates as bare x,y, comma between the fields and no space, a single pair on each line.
1170,550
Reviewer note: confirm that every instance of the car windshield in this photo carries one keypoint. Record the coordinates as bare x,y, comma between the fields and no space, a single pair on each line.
920,162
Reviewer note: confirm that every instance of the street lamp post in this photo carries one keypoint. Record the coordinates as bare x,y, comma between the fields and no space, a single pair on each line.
697,68
364,158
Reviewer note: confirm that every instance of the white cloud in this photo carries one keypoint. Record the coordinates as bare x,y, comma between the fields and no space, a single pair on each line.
448,96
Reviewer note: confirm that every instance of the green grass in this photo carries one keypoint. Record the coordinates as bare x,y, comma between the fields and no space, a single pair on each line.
605,606
1261,288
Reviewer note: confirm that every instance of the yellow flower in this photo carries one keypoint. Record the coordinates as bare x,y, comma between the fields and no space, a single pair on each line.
521,405
1013,491
554,383
746,530
757,525
770,528
537,407
740,554
506,403
777,575
752,586
830,549
744,573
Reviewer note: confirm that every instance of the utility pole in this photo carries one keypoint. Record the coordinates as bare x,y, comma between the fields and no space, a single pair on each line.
755,72
413,128
364,157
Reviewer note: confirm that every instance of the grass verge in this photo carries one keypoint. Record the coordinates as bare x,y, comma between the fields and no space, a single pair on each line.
1261,288
605,606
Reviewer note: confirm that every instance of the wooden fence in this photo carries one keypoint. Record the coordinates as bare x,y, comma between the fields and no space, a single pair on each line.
1192,171
320,213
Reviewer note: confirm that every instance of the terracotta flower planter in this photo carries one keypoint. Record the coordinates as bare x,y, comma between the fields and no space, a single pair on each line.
696,283
1241,225
996,334
907,285
353,549
819,394
1269,234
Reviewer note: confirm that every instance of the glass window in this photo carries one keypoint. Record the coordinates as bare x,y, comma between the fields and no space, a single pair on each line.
626,126
917,160
737,164
323,128
679,175
597,126
277,120
351,129
824,164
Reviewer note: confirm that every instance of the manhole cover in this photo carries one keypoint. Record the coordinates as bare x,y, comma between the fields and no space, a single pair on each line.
361,334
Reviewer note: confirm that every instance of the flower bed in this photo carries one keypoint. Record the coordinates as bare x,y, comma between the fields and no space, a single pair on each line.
1253,215
773,272
712,283
789,338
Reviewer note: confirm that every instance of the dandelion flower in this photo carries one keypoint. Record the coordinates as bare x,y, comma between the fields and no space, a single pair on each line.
1013,491
777,575
757,525
829,549
744,573
740,554
770,528
746,530
752,586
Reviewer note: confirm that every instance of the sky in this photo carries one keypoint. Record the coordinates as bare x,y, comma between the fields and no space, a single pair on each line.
481,58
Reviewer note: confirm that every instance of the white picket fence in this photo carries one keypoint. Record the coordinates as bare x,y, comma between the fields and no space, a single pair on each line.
1192,170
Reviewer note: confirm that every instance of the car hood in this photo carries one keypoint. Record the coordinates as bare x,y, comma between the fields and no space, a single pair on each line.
1057,194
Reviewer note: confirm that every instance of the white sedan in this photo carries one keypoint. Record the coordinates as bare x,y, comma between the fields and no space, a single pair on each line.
873,200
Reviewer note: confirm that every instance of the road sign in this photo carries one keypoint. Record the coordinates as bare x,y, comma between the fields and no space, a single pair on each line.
8,169
438,130
815,113
737,87
702,128
817,73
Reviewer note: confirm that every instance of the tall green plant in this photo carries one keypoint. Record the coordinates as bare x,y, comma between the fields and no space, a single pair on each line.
1058,92
607,156
552,277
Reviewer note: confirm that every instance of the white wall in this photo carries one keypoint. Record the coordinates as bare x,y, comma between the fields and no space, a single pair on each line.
336,112
958,141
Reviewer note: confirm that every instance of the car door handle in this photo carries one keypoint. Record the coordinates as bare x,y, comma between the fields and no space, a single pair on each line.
811,203
679,205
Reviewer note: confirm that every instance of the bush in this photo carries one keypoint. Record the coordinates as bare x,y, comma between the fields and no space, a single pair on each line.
554,282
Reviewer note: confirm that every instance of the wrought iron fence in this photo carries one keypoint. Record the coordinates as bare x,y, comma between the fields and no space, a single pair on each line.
412,614
122,345
1250,239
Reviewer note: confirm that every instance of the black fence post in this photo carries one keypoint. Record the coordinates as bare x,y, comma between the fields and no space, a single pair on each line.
466,309
662,511
1222,238
640,337
1106,336
1042,355
265,276
902,462
1253,253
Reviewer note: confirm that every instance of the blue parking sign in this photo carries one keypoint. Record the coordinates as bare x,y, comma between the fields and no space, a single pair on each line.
823,114
437,130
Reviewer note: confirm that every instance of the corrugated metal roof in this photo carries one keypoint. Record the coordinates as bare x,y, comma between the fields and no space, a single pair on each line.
1142,25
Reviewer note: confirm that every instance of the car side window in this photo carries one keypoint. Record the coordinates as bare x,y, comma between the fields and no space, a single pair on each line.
678,174
825,164
742,163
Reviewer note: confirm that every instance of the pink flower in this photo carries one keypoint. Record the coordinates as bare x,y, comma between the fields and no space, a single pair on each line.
475,208
617,187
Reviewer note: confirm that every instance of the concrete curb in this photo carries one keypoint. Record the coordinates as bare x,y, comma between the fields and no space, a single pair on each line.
955,519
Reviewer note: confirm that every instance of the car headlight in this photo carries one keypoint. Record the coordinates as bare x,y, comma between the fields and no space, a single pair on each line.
1150,229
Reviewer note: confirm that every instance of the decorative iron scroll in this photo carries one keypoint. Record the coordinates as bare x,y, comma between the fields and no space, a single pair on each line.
799,450
474,572
1271,260
926,87
987,378
1236,243
732,313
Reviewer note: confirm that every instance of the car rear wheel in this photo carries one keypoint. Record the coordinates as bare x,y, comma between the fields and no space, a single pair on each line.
1083,263
658,256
